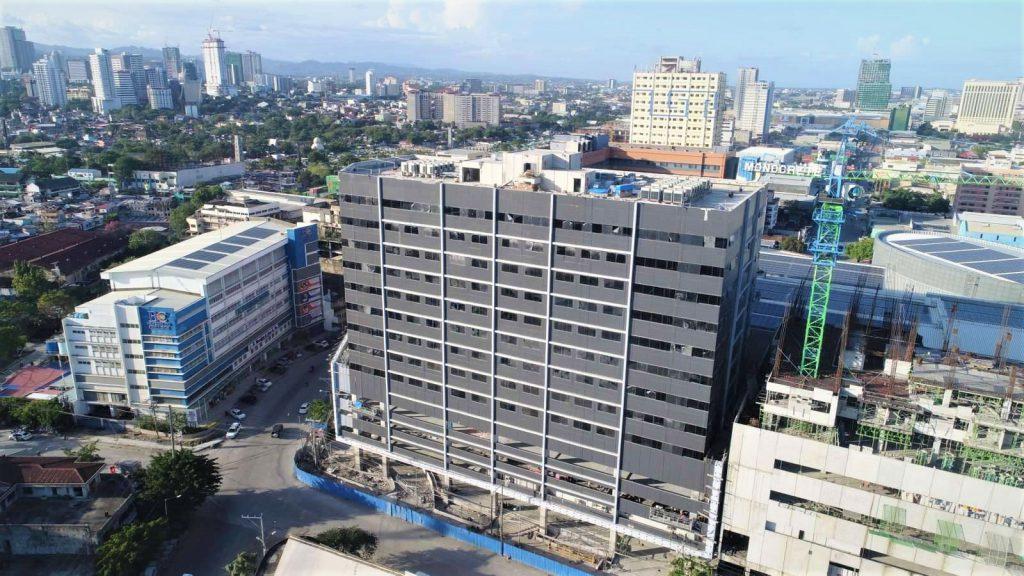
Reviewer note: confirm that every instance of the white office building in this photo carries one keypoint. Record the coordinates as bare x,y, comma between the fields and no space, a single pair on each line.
986,107
371,85
213,63
182,323
104,98
675,104
50,83
755,113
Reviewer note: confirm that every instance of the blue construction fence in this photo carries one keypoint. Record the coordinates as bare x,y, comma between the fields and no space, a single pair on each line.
443,528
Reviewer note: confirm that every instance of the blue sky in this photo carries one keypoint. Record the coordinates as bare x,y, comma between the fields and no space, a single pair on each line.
797,43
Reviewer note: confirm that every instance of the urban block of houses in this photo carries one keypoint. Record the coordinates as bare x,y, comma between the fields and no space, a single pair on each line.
57,505
68,255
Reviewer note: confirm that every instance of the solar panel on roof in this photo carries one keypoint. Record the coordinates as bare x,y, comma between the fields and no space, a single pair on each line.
258,233
1000,266
223,247
978,255
206,256
187,264
921,241
1018,277
240,240
944,247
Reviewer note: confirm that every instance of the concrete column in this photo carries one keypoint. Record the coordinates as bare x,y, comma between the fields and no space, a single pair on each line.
359,458
611,542
494,504
386,463
543,519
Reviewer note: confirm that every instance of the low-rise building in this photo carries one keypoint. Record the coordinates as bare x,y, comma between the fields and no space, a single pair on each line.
217,214
993,191
177,180
997,228
42,189
68,255
58,505
182,323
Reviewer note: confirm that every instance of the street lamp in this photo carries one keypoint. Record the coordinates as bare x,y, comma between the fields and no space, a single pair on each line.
166,514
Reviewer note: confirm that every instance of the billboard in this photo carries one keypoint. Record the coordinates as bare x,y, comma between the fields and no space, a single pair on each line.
157,320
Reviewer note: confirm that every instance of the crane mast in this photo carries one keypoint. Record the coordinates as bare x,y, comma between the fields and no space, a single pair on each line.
829,215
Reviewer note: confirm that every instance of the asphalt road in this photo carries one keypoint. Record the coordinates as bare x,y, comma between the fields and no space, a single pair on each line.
258,479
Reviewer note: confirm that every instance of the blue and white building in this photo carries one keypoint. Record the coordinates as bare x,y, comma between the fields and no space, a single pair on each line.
182,323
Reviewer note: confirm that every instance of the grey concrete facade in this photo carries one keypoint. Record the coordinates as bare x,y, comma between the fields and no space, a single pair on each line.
577,351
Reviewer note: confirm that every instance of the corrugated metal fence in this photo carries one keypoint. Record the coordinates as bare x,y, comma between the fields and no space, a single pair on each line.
443,528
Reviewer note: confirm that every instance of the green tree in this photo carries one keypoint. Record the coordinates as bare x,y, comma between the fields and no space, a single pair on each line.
861,250
88,452
319,410
125,166
142,242
350,540
10,409
11,340
128,550
55,304
792,244
243,565
185,477
45,414
29,281
689,566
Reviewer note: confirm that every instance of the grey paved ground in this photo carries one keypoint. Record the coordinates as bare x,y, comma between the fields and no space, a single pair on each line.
258,479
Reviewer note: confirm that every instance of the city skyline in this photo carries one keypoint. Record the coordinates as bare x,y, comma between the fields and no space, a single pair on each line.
481,36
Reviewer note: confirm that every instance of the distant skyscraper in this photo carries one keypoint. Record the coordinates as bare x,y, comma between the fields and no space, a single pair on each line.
661,115
50,83
910,92
78,71
213,63
756,115
351,75
371,86
844,98
252,65
16,52
986,107
612,84
744,77
124,87
104,94
873,87
189,70
159,98
233,68
540,85
936,107
172,62
899,118
133,63
753,103
473,85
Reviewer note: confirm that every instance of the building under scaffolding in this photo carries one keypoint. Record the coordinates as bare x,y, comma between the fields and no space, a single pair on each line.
898,459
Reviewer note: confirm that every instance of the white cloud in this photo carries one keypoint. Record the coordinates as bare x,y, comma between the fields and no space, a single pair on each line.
461,14
868,44
907,46
430,18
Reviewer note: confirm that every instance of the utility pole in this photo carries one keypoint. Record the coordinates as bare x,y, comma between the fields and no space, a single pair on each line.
170,425
263,542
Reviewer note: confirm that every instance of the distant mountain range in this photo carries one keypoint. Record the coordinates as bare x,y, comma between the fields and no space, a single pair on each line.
317,68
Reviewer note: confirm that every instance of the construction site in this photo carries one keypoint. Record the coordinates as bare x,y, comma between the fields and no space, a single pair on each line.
880,417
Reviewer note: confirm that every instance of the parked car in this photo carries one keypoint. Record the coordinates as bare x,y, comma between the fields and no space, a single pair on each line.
263,382
303,408
237,414
21,435
233,430
265,385
275,432
323,344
